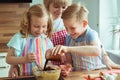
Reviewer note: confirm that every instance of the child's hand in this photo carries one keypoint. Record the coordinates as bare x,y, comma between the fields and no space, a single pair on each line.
13,72
31,57
59,50
58,57
110,64
65,69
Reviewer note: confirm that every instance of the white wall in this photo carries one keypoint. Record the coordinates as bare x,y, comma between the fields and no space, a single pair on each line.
93,17
118,4
107,12
101,17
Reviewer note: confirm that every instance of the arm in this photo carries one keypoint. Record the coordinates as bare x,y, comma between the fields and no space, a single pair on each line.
13,71
108,62
84,50
91,50
12,59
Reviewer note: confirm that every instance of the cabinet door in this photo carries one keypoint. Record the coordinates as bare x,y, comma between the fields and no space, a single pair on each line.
4,71
4,67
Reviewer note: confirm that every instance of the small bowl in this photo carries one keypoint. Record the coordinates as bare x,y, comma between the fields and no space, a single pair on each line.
46,75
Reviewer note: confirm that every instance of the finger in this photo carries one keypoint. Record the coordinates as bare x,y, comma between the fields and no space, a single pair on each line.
64,74
63,58
58,50
62,67
55,50
13,75
109,67
33,59
62,53
69,67
33,55
16,73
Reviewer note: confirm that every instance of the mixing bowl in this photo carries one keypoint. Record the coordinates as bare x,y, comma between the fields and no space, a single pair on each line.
47,74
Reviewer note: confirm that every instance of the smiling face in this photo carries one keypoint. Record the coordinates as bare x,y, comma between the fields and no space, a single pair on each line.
74,28
57,10
38,25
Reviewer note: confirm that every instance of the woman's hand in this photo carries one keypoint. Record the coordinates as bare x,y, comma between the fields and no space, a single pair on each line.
13,72
65,69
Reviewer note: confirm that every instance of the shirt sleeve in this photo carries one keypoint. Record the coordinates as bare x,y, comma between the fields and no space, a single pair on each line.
16,43
92,36
67,40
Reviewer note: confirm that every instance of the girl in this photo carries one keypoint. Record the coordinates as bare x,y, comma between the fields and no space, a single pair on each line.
56,8
30,43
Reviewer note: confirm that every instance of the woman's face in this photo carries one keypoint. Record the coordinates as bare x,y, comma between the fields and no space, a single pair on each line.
38,25
57,10
74,28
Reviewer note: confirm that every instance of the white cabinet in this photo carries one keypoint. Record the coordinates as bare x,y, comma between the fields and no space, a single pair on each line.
4,67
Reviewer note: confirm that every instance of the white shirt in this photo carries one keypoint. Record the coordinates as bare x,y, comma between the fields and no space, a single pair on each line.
58,25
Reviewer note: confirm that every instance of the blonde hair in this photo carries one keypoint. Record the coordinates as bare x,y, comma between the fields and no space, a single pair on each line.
77,11
36,10
59,2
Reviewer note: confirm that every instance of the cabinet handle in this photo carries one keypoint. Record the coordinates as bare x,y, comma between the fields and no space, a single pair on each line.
4,67
2,56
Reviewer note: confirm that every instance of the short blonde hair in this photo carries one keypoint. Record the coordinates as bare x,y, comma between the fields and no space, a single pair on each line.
36,10
77,11
59,2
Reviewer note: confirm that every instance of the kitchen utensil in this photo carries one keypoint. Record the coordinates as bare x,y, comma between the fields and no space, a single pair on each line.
38,66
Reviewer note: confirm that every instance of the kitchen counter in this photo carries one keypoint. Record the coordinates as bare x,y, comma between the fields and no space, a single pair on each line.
79,75
114,55
75,75
19,78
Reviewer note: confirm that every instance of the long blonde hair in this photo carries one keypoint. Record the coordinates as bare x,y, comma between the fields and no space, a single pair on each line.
77,11
37,10
59,2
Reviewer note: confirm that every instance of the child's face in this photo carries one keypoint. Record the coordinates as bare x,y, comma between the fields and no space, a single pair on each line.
57,10
38,25
74,28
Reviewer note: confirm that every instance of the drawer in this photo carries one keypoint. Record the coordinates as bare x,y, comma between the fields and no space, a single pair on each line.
4,71
4,67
